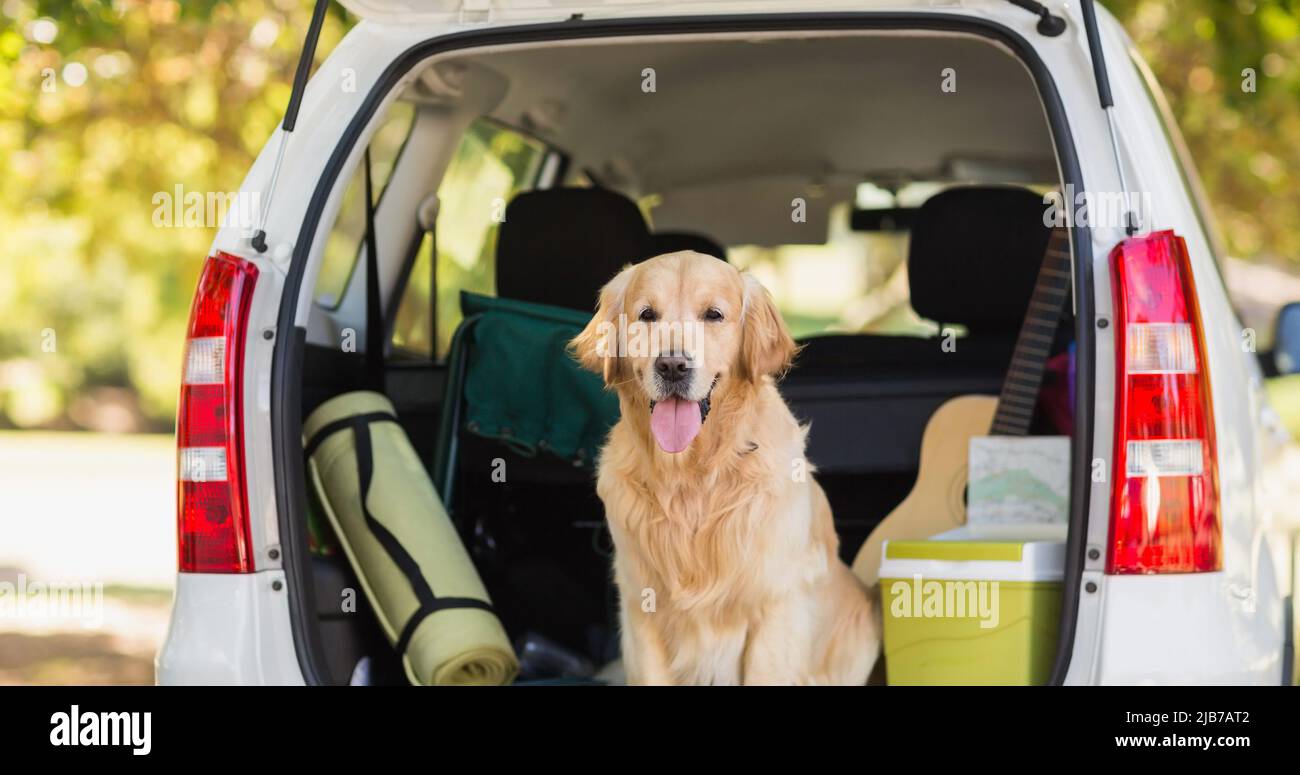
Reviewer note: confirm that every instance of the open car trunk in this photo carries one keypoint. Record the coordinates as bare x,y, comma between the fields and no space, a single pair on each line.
837,163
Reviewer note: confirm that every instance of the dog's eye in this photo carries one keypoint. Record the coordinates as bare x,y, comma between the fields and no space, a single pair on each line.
648,315
712,313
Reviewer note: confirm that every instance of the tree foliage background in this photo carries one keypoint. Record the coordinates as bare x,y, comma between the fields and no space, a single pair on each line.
105,104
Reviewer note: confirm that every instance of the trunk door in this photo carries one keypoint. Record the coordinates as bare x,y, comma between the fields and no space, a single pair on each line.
443,11
417,11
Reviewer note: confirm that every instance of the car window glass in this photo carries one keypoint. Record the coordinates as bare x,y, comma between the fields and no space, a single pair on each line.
491,165
343,245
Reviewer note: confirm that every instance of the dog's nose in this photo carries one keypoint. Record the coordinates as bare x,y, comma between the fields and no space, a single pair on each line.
672,368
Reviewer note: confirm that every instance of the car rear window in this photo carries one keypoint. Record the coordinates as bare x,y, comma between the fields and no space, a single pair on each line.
343,246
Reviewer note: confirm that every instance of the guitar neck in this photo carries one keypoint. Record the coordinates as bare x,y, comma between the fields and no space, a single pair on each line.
1034,344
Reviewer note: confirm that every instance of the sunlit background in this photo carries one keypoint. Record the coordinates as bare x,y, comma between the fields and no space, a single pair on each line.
106,105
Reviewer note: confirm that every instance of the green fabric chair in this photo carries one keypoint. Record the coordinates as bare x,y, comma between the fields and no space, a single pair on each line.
511,379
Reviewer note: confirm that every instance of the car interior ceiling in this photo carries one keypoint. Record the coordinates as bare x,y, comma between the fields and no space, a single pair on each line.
540,544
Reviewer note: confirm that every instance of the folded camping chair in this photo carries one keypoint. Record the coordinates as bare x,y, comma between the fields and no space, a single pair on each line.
510,378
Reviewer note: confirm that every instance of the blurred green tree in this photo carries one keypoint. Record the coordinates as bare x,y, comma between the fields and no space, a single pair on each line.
105,109
105,105
1246,142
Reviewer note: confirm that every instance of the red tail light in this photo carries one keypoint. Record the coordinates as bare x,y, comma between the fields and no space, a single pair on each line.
212,503
1164,514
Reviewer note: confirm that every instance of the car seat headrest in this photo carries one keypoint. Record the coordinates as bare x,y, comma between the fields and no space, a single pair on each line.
559,246
974,256
673,241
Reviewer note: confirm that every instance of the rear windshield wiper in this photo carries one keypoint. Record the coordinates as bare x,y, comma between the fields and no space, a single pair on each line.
1048,25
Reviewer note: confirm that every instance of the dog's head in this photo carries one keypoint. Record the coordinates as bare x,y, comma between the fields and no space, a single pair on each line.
673,330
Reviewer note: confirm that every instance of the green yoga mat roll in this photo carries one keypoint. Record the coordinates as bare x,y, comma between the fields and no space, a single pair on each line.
406,553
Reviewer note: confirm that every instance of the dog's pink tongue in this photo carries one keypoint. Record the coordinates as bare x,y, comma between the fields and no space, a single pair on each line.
675,423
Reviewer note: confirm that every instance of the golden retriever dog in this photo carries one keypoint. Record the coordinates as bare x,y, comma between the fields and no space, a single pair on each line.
725,553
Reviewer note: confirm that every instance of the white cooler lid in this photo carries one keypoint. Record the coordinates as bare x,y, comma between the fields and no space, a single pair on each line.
980,553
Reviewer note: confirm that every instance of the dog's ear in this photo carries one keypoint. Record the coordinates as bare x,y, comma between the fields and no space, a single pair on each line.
596,348
766,347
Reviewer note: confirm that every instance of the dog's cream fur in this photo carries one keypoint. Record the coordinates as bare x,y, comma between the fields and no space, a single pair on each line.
726,554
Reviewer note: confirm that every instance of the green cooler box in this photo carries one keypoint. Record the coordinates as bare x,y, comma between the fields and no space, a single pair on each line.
973,605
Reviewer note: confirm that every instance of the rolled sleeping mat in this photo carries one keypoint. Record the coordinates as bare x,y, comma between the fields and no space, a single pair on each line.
407,555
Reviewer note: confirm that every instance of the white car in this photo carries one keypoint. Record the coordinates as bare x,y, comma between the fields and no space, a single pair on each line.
802,141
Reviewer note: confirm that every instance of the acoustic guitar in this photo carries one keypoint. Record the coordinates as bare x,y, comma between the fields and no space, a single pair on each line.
937,501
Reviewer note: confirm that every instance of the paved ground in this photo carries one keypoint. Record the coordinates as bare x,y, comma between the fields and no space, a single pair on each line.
95,513
80,506
113,642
